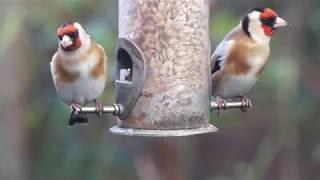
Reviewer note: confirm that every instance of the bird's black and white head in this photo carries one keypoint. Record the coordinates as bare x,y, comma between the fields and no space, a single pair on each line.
72,37
260,23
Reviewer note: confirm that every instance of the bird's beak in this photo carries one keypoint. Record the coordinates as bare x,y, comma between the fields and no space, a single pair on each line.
66,41
280,23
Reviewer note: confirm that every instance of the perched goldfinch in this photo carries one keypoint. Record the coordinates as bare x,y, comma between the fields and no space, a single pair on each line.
79,69
240,58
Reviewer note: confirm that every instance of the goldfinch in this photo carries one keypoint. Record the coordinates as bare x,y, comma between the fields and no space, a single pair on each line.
238,61
78,69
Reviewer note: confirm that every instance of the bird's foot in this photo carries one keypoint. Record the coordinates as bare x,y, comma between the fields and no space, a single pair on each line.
246,103
99,108
222,104
75,116
76,108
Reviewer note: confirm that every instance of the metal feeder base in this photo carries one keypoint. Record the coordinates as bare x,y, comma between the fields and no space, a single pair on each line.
162,133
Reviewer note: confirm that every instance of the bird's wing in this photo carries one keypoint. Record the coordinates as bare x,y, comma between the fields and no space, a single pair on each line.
53,67
219,56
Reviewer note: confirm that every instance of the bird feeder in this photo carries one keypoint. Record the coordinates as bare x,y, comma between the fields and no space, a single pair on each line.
163,75
163,85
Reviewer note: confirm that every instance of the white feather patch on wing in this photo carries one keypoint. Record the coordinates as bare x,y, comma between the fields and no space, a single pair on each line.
221,53
53,68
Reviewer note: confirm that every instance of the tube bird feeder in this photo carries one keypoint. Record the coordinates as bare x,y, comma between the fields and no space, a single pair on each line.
163,72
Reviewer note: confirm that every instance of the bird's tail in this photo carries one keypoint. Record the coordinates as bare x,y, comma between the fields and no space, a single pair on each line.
80,118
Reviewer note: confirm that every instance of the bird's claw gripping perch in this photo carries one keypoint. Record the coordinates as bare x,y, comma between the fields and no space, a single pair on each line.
76,108
76,116
246,103
99,108
222,104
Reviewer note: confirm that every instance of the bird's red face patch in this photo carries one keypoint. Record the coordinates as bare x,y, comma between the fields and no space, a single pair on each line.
268,13
268,31
66,29
268,18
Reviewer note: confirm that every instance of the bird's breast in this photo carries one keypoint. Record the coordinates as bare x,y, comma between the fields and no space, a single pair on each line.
256,63
82,91
235,85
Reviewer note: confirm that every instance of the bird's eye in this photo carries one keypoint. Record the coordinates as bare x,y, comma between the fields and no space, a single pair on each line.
60,37
268,21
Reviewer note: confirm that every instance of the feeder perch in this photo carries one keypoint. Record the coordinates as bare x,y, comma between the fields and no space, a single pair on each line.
229,105
116,110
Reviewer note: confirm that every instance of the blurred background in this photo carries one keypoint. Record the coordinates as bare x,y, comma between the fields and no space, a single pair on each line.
278,139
